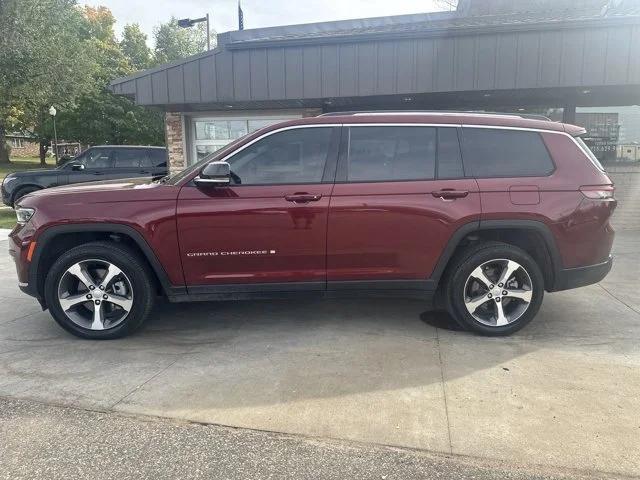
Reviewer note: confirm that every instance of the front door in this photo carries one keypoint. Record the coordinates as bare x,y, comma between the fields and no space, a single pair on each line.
98,165
400,194
269,226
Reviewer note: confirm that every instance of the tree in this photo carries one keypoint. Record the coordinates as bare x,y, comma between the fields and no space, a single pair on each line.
174,42
43,62
100,116
134,47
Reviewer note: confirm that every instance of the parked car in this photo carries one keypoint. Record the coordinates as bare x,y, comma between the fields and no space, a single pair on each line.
476,214
106,162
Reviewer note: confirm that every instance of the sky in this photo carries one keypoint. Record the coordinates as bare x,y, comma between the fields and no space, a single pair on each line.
257,13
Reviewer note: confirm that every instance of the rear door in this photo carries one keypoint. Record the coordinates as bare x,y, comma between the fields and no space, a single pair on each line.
129,163
400,194
155,164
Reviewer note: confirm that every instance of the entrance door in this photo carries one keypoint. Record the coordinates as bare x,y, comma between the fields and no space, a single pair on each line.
270,225
400,194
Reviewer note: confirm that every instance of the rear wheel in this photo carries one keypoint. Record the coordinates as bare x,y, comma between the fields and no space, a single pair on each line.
99,290
494,289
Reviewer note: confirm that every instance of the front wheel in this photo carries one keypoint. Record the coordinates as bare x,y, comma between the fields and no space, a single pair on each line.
99,290
495,289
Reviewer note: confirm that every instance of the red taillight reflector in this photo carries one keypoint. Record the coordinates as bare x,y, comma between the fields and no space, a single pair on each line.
32,247
598,192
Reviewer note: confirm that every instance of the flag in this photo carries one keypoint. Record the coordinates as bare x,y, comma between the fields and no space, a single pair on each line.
240,17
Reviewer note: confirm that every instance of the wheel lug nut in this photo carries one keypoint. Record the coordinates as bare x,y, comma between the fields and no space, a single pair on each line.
489,295
97,302
101,287
500,285
504,293
498,299
91,287
491,286
89,296
105,296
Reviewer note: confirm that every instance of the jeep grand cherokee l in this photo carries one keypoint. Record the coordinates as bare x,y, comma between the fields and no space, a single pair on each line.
477,214
96,163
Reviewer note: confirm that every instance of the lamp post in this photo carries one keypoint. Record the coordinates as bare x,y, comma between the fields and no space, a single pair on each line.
187,23
52,112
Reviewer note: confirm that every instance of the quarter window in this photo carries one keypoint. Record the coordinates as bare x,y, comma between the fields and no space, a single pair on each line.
505,153
391,153
288,157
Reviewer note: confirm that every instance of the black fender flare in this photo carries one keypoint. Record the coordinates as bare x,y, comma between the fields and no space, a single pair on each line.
50,233
483,225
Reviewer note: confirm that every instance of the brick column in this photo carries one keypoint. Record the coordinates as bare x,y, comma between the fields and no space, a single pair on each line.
174,136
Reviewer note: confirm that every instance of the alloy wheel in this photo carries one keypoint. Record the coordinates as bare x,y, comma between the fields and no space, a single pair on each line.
95,294
498,292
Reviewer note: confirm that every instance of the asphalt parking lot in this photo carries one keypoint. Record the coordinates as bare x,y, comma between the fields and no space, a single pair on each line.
563,393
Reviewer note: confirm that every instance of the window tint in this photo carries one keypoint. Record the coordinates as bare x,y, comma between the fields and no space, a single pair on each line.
97,158
156,157
128,157
449,158
292,156
391,153
504,153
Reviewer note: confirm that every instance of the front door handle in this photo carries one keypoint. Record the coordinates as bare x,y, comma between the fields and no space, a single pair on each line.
302,198
450,194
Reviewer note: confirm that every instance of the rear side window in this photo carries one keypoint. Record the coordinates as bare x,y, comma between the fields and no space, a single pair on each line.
391,153
128,157
505,153
157,157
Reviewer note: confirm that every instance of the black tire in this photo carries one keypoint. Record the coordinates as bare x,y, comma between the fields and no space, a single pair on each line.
21,192
461,269
129,263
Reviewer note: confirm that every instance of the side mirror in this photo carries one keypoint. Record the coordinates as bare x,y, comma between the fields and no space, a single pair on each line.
77,167
214,173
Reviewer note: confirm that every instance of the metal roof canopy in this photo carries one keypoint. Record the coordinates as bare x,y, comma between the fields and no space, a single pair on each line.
538,55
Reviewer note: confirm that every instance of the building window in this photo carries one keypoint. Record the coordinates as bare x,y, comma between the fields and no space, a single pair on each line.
17,142
613,133
210,134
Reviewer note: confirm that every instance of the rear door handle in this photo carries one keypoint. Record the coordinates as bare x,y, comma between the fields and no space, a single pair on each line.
450,194
302,198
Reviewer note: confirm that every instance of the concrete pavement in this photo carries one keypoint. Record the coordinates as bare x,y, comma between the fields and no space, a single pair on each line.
564,393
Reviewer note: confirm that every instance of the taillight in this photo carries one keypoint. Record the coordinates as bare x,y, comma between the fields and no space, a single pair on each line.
598,192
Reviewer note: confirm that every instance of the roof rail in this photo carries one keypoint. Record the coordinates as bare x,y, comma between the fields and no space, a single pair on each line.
529,116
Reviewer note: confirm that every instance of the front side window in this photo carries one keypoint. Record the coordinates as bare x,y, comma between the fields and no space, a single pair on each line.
287,157
391,153
97,158
504,153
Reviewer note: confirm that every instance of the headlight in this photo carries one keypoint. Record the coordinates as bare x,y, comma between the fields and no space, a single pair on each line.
24,214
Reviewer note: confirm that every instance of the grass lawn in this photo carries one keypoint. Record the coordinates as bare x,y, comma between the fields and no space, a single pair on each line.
27,163
7,218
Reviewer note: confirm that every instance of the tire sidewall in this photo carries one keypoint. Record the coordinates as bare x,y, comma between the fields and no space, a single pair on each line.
471,262
124,260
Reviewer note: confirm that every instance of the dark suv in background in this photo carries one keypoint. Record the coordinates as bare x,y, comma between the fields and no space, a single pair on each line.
106,162
477,214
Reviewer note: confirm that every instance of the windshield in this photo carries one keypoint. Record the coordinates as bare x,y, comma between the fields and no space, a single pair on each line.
177,177
589,153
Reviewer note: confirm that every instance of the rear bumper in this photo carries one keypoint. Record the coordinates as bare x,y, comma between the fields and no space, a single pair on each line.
569,278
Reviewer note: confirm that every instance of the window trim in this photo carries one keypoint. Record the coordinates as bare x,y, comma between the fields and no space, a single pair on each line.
188,180
538,131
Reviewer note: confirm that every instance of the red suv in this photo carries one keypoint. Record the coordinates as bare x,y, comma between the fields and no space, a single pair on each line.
478,214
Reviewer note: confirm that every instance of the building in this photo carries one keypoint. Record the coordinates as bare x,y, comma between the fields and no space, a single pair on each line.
574,60
22,145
